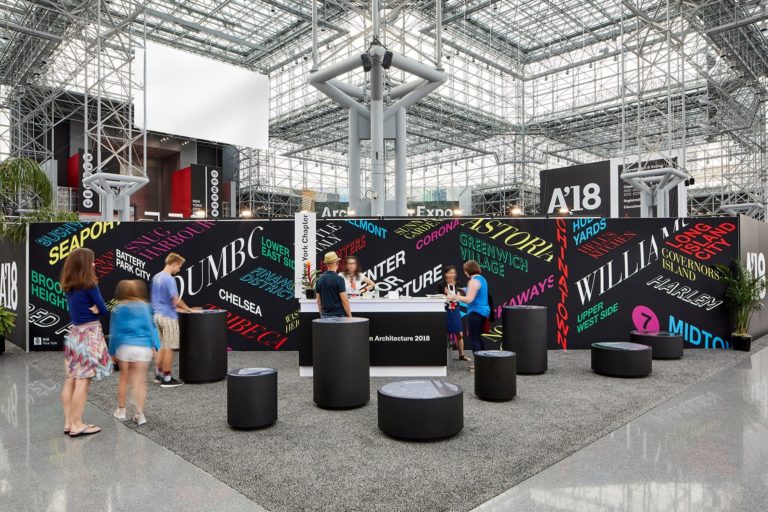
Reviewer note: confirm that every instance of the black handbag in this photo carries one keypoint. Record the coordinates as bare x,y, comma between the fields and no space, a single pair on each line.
492,316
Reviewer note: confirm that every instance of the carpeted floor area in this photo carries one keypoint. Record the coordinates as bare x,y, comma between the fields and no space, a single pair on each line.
314,459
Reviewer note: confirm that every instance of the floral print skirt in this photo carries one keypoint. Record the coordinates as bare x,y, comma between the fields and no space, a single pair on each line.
85,352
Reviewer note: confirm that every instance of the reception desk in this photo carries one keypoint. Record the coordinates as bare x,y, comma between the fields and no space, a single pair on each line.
407,336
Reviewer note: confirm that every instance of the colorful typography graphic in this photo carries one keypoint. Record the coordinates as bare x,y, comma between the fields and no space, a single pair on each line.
243,267
599,278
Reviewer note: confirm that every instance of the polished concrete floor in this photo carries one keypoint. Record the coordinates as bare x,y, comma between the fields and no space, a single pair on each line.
704,450
41,470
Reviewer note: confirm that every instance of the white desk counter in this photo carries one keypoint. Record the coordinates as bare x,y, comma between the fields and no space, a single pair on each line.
407,335
403,304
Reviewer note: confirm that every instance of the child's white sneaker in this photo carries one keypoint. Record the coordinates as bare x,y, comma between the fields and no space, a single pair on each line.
139,418
120,414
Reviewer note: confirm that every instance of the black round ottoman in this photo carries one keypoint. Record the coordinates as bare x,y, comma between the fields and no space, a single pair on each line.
421,409
524,332
495,375
341,362
621,359
664,345
203,345
252,397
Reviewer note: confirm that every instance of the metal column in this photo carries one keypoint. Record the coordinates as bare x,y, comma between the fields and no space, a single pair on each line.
354,163
401,195
378,182
367,102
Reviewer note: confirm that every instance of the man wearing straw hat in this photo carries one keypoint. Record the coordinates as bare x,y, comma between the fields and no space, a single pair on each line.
332,300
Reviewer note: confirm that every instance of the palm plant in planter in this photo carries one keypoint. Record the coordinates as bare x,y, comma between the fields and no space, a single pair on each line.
741,297
24,179
28,197
7,323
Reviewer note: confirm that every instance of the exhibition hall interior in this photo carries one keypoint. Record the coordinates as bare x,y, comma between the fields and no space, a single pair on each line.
383,255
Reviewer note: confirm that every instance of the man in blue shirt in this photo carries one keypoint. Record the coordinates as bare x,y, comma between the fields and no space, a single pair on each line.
332,300
165,300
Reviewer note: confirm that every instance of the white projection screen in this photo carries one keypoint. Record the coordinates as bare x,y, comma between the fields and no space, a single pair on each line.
201,98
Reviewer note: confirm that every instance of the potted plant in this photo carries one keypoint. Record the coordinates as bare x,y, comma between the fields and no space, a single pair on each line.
308,280
741,297
7,323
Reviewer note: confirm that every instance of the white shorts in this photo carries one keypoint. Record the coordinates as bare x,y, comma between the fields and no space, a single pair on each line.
134,354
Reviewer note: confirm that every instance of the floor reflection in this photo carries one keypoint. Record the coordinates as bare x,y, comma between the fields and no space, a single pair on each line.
118,469
706,449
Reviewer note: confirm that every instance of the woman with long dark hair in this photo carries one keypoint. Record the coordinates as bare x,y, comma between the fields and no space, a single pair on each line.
356,282
85,351
478,306
450,286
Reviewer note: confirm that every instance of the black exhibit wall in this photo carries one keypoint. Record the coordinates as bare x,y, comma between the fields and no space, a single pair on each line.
61,151
209,154
753,247
599,278
208,190
653,274
245,267
13,288
585,190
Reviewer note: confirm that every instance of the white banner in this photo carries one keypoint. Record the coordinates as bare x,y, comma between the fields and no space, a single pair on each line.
196,97
304,246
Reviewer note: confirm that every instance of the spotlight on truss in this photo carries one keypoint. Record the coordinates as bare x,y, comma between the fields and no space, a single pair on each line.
367,62
386,61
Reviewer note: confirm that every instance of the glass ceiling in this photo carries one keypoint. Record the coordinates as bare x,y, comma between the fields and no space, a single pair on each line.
532,83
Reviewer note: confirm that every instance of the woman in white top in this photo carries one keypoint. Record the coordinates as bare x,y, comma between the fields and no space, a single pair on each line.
357,283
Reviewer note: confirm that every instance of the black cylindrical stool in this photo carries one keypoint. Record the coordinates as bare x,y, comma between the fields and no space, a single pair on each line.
621,359
664,345
203,345
421,409
341,362
495,375
524,332
252,397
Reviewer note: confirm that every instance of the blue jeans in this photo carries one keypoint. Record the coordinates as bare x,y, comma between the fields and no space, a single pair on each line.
326,315
475,322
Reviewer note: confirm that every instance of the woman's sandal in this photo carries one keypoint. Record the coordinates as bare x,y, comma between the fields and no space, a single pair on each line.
66,431
464,358
87,431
